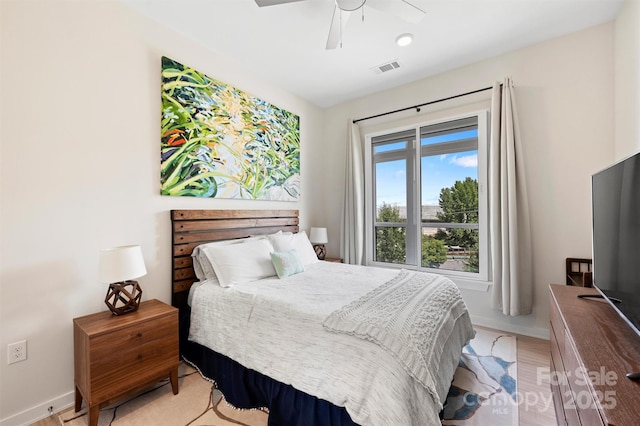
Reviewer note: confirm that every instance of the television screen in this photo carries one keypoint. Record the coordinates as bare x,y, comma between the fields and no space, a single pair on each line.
616,237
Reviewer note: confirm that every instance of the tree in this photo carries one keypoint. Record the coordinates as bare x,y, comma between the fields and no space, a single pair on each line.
434,252
473,264
390,241
459,204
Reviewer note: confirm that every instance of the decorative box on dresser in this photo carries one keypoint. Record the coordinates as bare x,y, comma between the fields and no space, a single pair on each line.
592,350
118,355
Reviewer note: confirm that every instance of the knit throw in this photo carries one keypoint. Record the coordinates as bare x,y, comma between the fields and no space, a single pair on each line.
411,316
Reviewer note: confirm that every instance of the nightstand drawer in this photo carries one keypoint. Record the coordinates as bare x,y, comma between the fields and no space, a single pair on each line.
144,363
128,338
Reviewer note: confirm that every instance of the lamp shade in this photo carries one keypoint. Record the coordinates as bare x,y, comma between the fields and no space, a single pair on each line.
121,264
318,236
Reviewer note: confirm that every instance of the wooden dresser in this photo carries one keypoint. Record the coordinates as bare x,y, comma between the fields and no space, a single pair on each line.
587,335
119,355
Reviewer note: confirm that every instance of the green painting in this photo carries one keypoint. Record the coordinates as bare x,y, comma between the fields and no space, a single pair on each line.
220,142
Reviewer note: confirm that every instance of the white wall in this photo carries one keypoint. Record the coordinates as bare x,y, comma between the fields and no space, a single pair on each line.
80,171
627,79
564,90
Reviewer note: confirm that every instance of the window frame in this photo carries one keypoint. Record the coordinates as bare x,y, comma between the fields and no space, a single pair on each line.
414,209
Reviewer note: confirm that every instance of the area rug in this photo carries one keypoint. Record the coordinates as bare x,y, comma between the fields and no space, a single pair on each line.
196,404
484,385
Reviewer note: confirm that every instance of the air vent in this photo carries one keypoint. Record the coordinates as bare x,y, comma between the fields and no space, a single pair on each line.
389,66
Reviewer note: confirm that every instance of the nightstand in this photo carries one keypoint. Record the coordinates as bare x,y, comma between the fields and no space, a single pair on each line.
333,259
119,355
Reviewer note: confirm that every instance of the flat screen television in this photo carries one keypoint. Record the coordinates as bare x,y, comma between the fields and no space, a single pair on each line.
616,237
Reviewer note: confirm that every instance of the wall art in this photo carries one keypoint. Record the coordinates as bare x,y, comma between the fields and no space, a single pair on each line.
220,142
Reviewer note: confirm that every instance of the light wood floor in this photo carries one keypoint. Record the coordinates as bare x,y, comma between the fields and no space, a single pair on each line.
535,407
534,393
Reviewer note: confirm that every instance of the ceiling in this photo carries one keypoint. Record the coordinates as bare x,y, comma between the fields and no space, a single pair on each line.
285,44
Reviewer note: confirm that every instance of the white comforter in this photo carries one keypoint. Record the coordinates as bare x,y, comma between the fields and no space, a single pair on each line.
274,326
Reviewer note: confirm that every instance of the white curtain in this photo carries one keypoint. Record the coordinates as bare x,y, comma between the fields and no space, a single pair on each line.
509,210
352,228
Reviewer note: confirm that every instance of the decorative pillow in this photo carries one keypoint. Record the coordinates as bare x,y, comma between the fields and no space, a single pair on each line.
300,242
286,263
239,263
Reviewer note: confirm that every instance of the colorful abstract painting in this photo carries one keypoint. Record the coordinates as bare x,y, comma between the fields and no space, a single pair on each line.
220,142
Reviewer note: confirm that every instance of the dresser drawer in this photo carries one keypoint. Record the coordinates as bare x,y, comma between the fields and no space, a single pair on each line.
564,403
557,324
556,355
556,392
581,389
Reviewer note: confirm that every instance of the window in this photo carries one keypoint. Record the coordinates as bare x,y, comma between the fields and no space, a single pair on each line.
426,198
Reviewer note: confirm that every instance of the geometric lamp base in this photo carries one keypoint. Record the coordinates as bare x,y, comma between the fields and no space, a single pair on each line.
320,250
123,297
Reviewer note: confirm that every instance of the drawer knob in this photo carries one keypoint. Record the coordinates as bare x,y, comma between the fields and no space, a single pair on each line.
139,334
139,356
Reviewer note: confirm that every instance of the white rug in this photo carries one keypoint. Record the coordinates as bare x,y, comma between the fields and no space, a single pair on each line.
484,388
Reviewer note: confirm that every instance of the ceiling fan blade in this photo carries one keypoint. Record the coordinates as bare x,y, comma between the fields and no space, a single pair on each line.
338,24
263,3
403,9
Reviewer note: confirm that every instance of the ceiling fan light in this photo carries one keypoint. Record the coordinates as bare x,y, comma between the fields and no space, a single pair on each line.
350,5
404,39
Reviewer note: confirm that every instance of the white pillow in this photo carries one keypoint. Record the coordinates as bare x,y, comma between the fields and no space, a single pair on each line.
239,263
279,236
275,234
300,242
201,263
281,241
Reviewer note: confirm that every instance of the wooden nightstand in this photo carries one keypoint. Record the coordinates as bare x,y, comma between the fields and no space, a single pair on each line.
119,355
333,259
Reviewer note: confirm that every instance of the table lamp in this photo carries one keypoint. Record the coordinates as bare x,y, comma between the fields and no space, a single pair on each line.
318,237
118,267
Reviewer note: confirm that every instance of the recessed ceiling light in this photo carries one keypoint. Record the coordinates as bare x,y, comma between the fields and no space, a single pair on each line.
404,39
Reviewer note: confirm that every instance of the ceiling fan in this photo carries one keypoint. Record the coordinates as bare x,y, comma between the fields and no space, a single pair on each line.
343,9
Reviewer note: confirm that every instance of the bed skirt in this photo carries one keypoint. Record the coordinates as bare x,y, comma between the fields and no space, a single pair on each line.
245,388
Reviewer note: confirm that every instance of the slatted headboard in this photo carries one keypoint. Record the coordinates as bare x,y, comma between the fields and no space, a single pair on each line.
189,228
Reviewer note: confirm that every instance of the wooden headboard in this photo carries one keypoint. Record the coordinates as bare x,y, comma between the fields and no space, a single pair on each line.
190,228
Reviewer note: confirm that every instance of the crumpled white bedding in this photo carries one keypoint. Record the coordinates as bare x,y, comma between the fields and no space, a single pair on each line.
274,326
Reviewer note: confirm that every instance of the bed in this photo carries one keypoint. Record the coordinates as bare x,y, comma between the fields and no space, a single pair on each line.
292,344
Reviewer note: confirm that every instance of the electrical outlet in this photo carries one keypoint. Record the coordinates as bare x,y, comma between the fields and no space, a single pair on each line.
16,352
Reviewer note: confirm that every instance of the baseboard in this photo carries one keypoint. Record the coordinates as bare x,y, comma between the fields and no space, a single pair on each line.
40,411
539,332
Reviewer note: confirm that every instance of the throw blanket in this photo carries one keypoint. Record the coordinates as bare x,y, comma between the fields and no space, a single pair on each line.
410,316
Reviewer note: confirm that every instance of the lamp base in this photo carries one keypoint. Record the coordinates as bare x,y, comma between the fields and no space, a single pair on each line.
321,251
123,297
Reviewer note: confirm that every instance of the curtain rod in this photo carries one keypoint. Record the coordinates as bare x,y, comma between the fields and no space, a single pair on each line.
424,104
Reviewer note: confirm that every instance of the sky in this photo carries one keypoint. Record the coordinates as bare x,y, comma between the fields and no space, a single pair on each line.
438,171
